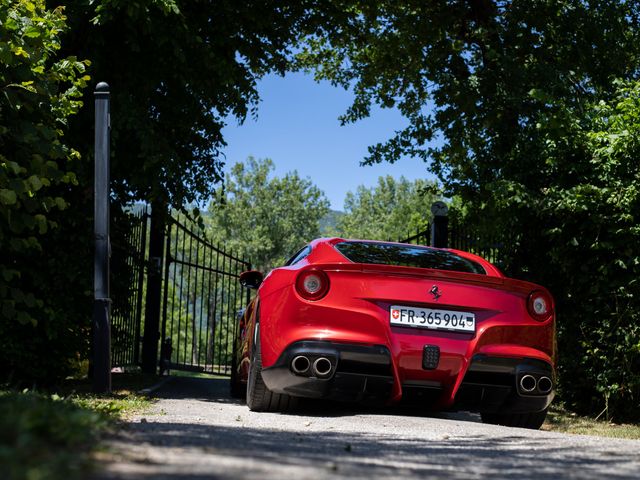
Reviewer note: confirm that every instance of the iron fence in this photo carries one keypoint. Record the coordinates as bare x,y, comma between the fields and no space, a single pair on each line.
462,235
421,237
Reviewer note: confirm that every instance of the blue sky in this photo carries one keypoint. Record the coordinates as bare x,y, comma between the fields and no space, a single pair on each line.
298,128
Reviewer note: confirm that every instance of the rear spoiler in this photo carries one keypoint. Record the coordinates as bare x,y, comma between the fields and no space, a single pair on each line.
501,283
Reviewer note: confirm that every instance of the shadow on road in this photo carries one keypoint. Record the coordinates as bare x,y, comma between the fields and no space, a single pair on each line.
197,388
223,452
217,390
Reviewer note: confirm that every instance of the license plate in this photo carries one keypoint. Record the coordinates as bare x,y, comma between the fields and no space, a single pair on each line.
432,319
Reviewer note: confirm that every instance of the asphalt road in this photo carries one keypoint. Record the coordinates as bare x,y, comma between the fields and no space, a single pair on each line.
196,431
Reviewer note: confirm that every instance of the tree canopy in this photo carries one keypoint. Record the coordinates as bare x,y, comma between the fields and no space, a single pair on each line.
263,217
177,70
476,76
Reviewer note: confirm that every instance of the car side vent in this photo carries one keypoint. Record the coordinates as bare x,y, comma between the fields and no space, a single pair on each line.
430,357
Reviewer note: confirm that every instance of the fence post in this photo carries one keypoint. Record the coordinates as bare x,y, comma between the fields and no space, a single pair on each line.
102,302
141,262
154,289
440,225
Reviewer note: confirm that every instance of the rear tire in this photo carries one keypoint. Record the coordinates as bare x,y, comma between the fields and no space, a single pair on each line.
236,388
531,420
259,397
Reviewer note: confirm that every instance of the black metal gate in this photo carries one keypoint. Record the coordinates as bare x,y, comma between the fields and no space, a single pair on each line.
201,299
129,253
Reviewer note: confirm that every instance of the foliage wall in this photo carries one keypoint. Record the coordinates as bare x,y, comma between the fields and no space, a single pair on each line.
591,228
40,92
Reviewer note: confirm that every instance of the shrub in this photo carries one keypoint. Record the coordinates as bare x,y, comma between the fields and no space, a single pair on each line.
39,93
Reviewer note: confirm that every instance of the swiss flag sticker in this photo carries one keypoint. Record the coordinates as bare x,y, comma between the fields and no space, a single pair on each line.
395,313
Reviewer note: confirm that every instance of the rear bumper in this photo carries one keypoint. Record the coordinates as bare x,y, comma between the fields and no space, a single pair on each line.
358,373
361,373
492,384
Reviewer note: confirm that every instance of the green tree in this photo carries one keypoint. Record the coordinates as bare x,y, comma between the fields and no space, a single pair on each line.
329,223
39,93
265,218
392,210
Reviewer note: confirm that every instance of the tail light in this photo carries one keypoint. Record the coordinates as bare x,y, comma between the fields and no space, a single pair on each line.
540,305
312,284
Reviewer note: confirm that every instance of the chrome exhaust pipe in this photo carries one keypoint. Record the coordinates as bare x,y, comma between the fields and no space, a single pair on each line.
322,367
545,384
300,364
528,383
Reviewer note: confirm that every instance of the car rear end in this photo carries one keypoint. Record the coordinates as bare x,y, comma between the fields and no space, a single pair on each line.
361,322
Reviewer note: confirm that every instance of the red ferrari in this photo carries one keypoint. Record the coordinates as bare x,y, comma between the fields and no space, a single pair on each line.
369,321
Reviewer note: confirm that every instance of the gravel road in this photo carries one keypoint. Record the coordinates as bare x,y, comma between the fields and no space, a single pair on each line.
196,431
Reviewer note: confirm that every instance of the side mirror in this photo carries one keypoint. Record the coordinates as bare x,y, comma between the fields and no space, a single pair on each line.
251,279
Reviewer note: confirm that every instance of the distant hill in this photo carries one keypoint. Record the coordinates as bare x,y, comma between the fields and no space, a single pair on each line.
329,222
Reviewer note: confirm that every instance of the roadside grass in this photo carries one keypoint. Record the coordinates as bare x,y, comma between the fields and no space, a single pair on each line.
209,376
52,435
561,420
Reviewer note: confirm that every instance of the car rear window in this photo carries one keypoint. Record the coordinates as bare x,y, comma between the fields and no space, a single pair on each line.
300,254
407,256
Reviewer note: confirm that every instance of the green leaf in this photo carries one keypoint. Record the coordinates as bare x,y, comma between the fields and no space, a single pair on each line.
35,182
8,274
11,24
41,221
31,32
7,197
24,318
14,167
60,203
